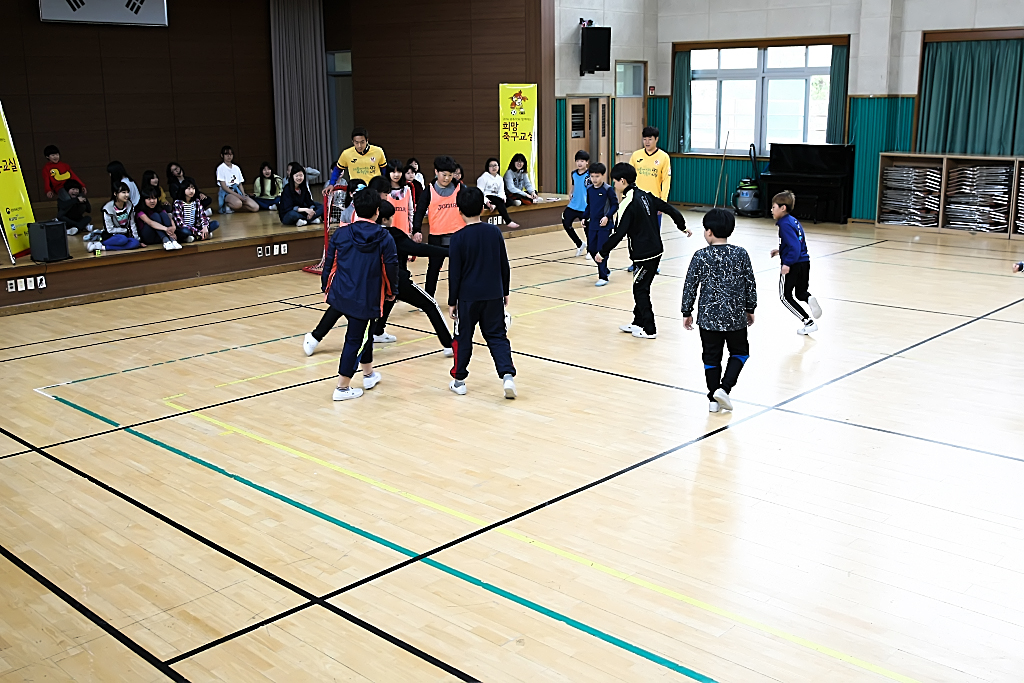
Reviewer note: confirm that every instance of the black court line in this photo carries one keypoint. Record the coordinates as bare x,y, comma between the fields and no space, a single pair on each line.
211,406
155,322
142,652
149,334
561,497
213,545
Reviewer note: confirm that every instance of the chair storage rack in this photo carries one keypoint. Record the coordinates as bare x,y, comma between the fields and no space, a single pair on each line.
951,193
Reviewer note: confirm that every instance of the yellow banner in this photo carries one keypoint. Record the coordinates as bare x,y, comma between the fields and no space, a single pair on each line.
15,209
518,115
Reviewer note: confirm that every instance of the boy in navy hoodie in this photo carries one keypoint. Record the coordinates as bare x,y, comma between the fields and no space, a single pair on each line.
577,208
796,263
360,274
478,279
602,203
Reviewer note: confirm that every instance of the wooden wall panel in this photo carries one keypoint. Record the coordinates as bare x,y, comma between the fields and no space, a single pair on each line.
142,95
432,88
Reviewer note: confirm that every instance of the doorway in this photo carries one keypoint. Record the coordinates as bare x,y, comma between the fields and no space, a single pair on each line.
588,126
630,107
339,100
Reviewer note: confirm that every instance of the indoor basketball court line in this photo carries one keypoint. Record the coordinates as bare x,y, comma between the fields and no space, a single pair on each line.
411,560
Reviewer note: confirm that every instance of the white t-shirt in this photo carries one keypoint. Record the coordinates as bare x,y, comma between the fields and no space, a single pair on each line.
231,175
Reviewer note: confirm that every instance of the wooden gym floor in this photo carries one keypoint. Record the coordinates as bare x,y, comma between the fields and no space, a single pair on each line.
180,498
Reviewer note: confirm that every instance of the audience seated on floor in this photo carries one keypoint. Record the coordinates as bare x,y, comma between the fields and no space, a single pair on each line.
73,208
56,173
190,219
267,187
153,223
297,206
119,231
119,175
230,182
151,181
175,177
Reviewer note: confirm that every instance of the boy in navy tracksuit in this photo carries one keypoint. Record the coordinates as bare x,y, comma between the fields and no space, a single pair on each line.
796,263
577,208
602,203
478,279
360,274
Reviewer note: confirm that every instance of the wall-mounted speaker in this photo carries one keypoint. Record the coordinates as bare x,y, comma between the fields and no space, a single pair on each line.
595,49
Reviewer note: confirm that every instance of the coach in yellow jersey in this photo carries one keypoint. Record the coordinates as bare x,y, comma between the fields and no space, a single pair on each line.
361,160
653,166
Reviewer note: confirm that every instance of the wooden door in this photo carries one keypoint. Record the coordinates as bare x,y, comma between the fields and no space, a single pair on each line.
577,126
602,130
629,124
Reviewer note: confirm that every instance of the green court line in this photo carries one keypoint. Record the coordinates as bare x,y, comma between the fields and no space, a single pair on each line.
451,571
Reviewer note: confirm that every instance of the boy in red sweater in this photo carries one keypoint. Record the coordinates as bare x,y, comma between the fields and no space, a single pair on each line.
56,173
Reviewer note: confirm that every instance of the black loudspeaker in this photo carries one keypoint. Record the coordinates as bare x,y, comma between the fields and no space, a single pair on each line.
48,241
595,49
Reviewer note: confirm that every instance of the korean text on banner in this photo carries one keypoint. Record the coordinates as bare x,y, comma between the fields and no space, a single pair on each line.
518,116
15,208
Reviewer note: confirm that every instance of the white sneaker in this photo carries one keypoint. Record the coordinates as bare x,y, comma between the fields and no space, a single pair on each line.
346,394
627,328
580,249
807,329
589,257
600,282
208,212
169,246
384,338
317,221
177,245
191,238
369,382
309,344
300,222
458,387
226,209
449,352
723,399
509,385
71,231
815,307
713,407
639,333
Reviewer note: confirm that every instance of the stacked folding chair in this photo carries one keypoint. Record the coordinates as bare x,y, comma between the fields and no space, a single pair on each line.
978,198
910,196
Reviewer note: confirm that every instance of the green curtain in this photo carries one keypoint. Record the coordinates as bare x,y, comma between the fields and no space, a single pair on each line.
969,98
837,90
679,119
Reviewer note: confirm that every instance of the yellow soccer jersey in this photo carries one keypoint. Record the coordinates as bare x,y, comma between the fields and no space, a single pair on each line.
653,172
363,166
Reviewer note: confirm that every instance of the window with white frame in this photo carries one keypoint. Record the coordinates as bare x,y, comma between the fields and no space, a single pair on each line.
752,95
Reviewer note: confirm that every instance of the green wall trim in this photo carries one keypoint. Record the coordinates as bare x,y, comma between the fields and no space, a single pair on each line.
658,116
561,177
877,124
694,179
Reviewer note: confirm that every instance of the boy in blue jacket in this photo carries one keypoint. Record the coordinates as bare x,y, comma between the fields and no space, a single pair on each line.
796,263
360,274
577,208
602,203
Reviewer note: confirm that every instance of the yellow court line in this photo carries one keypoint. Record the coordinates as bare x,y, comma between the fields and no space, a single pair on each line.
310,365
610,571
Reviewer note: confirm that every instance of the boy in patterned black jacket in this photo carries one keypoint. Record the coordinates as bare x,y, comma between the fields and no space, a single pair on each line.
728,297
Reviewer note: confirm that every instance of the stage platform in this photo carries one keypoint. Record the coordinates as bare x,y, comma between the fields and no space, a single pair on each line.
245,245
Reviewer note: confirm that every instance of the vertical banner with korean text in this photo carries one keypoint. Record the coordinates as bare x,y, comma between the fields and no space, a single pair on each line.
518,115
15,209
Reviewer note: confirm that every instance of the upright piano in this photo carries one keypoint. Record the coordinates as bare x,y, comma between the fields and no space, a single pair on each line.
821,176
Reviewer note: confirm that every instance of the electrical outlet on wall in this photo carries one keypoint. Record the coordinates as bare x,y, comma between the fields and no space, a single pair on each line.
11,286
21,284
40,282
259,252
284,248
277,250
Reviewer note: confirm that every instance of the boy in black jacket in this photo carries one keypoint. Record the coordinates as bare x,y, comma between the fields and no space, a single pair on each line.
637,220
409,291
478,279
